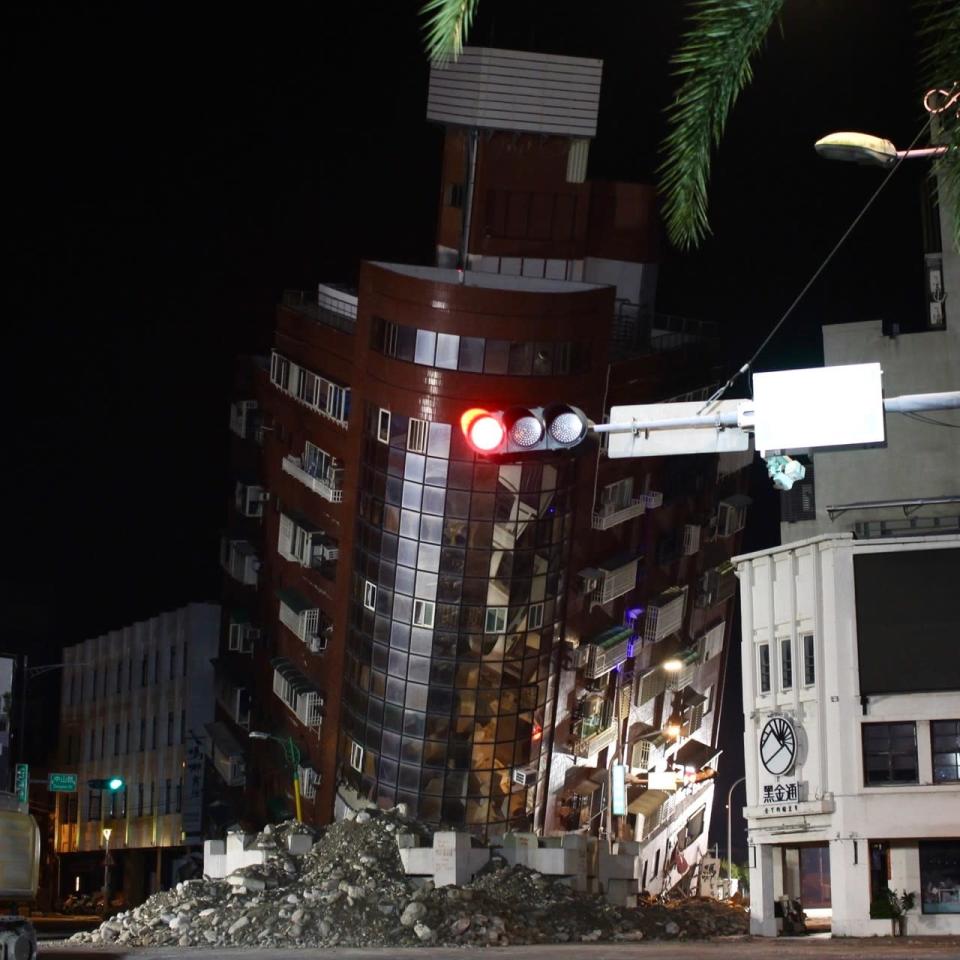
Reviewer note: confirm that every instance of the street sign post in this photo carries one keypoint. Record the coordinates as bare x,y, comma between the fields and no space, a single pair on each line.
21,783
62,782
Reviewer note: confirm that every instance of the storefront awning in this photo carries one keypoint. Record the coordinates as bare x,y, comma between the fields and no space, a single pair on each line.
641,800
584,780
691,697
695,754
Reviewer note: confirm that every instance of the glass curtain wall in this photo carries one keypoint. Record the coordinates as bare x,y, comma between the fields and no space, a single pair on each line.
457,610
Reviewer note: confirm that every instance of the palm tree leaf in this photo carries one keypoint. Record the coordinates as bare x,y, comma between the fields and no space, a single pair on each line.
713,63
939,36
446,27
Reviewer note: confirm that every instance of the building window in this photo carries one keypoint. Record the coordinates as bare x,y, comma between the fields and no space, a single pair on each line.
764,663
495,620
153,798
889,753
179,795
170,729
708,703
167,785
144,670
183,726
809,661
139,799
640,755
370,595
156,665
184,658
94,697
93,805
390,333
453,195
417,435
153,738
128,738
91,745
423,612
116,739
279,370
103,742
786,664
383,426
940,876
694,826
945,743
119,675
143,734
356,756
173,662
535,617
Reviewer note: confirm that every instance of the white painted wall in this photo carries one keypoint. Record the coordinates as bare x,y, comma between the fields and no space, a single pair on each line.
808,586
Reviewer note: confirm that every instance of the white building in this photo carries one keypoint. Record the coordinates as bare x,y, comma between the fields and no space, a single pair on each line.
852,731
134,705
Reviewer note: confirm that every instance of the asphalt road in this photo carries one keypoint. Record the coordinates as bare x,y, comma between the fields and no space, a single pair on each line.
734,948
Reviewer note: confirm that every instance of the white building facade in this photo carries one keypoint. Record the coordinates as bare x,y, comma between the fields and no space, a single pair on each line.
135,703
851,682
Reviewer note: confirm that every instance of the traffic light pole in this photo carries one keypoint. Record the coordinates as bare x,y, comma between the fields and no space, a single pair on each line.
743,418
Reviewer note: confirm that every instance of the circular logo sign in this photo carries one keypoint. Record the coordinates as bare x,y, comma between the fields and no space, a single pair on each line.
778,746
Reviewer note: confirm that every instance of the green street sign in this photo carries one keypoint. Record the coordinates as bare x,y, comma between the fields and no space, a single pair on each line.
62,782
22,783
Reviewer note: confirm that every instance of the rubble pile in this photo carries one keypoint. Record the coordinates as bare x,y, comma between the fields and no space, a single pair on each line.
350,890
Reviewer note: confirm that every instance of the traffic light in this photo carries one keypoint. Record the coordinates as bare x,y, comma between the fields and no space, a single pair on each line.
557,426
111,784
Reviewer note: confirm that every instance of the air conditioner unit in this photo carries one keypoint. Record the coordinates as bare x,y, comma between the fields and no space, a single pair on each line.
328,552
525,776
317,644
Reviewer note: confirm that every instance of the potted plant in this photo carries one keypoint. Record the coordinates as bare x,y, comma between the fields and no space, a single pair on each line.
888,906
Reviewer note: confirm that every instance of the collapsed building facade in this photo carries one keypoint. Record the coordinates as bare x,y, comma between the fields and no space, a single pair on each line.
481,638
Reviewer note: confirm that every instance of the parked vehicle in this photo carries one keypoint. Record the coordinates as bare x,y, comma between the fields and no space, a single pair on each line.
19,877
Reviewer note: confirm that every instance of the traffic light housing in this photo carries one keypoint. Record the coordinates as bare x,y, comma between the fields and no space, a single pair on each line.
520,429
110,784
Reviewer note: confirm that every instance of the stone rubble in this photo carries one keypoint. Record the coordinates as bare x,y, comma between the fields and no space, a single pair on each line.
350,890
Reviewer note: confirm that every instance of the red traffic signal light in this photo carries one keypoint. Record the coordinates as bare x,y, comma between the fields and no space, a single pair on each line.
558,426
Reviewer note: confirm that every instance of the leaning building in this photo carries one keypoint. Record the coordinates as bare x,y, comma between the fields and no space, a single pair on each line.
481,638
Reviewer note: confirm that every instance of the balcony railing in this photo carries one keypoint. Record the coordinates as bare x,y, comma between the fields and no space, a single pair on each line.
612,515
329,491
595,742
329,306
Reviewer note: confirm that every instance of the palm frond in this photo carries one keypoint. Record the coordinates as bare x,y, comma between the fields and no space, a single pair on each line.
713,63
939,36
446,27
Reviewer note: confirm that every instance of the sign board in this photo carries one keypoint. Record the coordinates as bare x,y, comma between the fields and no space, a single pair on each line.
62,782
658,443
21,783
784,791
818,407
618,790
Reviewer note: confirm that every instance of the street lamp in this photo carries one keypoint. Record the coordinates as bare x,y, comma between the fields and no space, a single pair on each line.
107,831
735,784
291,753
864,148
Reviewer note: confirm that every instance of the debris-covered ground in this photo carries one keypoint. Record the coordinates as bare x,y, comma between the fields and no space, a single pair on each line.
350,890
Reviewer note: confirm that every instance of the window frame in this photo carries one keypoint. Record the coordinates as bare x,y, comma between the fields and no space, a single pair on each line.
945,753
786,663
809,660
418,433
356,756
424,613
890,754
369,595
535,622
383,425
499,621
763,668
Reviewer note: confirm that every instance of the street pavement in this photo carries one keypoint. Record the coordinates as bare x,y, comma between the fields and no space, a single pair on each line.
731,948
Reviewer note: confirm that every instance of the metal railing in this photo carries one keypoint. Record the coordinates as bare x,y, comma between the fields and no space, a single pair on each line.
643,330
328,312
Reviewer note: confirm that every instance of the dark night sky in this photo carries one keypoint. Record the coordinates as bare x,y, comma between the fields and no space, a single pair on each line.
172,167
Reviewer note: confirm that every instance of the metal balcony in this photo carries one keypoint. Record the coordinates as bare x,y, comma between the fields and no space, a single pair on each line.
595,742
329,491
607,518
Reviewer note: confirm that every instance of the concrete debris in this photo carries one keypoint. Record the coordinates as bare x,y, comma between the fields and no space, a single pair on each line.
350,890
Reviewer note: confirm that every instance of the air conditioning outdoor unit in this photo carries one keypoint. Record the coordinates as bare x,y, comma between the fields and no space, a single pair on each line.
589,579
317,644
525,776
